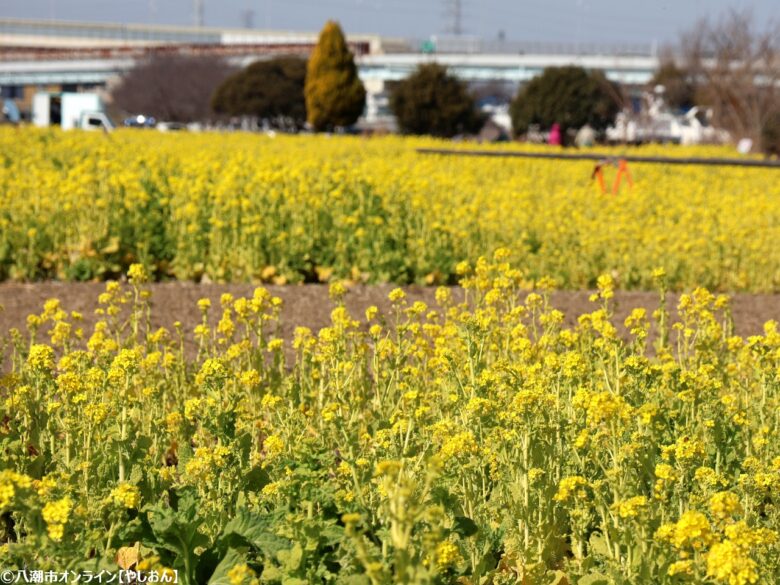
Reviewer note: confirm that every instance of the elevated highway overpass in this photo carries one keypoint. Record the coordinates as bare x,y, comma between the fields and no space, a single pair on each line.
42,54
99,67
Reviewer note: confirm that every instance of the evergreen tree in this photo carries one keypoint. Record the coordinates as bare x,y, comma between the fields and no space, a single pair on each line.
335,95
270,90
570,96
431,101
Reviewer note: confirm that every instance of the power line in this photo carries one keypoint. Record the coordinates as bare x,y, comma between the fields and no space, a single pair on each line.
248,18
411,7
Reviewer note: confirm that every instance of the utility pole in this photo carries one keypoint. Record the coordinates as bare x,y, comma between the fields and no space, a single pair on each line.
248,18
453,12
198,13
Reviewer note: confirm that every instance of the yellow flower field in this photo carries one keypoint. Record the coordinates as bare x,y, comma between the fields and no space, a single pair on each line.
474,443
480,442
292,209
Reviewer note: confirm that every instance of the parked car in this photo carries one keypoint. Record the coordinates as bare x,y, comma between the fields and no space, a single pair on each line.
171,126
140,121
95,121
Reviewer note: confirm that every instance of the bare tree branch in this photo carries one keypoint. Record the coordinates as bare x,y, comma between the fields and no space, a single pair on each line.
738,70
172,87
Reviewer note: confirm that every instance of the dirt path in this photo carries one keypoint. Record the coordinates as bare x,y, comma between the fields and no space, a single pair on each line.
310,306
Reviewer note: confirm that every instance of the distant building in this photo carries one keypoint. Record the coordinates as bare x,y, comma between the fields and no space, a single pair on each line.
72,56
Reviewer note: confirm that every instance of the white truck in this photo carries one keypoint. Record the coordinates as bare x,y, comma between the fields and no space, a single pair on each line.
693,127
657,123
70,110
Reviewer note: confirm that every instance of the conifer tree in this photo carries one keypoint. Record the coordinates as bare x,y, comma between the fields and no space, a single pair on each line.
270,90
432,101
570,96
335,95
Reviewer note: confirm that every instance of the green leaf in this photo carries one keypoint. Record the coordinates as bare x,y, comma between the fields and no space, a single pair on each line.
291,559
136,475
598,545
247,524
270,573
256,479
36,467
230,560
465,527
332,534
177,531
255,529
269,543
560,578
594,579
354,580
136,529
638,559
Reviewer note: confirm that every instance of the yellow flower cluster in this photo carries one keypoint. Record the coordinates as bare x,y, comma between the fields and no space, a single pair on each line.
56,514
729,563
242,575
572,486
126,495
725,505
447,554
10,482
692,531
274,446
41,357
631,507
205,465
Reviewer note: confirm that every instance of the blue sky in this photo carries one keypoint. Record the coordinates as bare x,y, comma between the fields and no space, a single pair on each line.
632,21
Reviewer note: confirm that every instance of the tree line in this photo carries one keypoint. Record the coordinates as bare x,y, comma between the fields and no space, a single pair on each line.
727,65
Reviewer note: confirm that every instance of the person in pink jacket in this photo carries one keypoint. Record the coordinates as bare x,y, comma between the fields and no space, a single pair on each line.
555,135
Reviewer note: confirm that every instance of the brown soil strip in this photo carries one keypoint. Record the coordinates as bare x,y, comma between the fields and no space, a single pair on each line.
310,306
